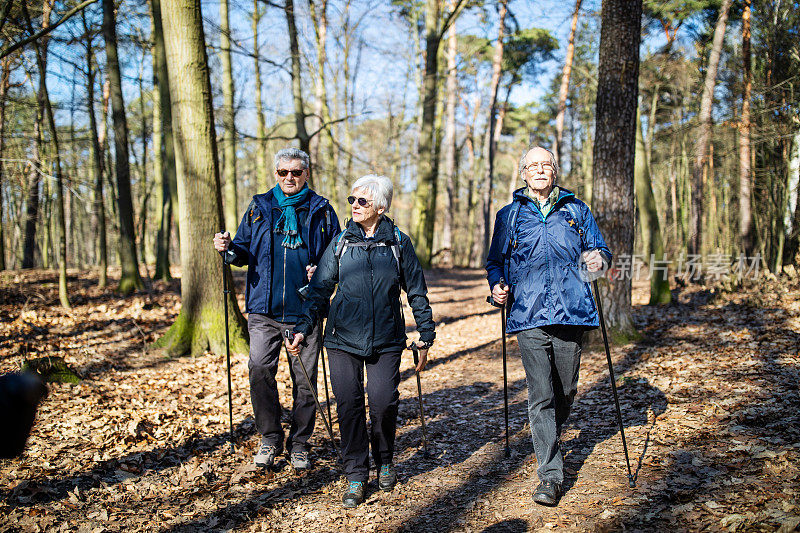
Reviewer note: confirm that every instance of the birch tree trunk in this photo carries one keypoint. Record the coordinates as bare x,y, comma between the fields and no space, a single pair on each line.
614,149
231,208
200,324
704,133
130,280
563,90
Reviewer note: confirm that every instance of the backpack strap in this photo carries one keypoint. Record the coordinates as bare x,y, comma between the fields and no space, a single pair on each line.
575,213
511,229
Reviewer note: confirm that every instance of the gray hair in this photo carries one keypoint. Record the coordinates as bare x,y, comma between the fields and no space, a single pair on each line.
290,154
380,187
553,161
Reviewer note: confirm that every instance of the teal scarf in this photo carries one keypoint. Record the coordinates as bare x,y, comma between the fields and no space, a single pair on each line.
287,223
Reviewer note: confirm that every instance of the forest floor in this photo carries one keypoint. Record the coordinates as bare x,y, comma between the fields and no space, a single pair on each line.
709,401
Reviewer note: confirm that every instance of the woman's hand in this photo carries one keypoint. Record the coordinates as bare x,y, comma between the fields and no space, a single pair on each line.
294,346
423,356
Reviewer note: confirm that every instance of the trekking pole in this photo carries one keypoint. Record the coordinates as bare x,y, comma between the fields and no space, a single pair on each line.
415,350
324,373
290,337
225,293
490,300
631,480
303,292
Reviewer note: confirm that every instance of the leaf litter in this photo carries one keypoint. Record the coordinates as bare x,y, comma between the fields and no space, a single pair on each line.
709,398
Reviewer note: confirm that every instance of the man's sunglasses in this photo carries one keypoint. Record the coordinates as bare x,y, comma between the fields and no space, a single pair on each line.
296,173
363,202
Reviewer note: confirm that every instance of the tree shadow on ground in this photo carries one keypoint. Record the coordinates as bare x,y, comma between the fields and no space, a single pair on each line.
49,489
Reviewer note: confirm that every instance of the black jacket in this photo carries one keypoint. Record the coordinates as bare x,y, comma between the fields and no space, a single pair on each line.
365,316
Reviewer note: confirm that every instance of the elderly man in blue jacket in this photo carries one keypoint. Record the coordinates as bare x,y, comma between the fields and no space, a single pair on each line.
541,242
281,238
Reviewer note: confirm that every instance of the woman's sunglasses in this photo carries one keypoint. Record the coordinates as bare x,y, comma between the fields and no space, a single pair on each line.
296,173
363,202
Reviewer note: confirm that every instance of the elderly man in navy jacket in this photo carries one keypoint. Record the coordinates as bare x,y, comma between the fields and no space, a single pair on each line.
281,238
540,243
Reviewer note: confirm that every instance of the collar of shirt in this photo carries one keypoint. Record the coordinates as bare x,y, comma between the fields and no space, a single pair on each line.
548,203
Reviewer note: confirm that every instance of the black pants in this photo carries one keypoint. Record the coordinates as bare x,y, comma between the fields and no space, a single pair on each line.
347,380
266,339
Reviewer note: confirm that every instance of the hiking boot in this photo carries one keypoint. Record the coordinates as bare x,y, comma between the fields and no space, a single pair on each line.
265,457
547,493
354,494
387,477
300,460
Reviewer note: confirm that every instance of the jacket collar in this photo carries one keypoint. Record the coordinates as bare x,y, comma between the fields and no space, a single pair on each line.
520,196
383,233
264,202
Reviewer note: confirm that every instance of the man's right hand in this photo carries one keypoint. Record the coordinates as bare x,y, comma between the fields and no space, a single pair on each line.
500,294
222,241
294,346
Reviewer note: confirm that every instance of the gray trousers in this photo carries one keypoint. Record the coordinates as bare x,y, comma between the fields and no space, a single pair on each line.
551,356
266,339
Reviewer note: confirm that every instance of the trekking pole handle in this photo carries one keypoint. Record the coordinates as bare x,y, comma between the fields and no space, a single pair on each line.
415,352
490,299
289,334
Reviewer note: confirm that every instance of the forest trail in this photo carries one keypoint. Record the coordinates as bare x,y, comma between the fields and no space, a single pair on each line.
709,398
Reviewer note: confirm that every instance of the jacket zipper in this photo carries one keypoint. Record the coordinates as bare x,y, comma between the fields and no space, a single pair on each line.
283,295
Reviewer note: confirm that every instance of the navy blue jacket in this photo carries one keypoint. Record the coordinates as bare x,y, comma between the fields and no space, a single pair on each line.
541,261
252,245
366,316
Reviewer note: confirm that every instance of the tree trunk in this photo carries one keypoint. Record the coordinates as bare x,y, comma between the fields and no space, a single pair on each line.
4,85
704,133
200,324
320,19
489,143
41,51
746,235
163,148
424,208
451,89
99,215
649,223
262,174
143,187
614,149
130,280
563,91
297,85
231,208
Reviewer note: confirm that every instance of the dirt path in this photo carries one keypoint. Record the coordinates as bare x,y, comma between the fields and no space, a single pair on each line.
709,396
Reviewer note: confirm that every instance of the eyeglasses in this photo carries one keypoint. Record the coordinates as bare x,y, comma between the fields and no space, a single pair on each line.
363,202
546,167
284,172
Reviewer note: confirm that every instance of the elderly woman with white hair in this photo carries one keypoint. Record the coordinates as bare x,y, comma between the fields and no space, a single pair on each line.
370,261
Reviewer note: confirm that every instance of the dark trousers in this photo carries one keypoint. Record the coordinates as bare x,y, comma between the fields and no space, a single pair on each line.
551,356
266,339
347,380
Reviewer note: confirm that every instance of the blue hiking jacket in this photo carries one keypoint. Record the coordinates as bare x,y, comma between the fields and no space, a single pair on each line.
252,245
539,257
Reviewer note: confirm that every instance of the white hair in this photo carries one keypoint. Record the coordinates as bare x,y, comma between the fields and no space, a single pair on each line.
380,187
553,161
291,154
